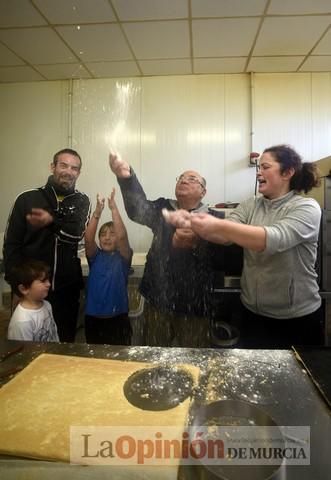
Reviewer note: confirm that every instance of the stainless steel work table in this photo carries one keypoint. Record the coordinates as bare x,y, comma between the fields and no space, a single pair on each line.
273,380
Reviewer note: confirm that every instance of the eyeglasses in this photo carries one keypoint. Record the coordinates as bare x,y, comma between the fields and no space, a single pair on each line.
189,179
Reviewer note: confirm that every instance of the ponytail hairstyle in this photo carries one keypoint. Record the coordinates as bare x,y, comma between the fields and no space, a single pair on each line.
306,174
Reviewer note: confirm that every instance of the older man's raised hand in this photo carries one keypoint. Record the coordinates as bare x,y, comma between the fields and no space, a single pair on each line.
118,166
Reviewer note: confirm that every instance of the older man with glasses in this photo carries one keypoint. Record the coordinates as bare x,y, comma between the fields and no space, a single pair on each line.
178,271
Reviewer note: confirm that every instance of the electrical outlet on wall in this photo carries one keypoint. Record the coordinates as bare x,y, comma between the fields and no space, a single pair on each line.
253,158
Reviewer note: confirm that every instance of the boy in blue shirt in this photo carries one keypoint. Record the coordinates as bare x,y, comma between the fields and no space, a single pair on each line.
107,304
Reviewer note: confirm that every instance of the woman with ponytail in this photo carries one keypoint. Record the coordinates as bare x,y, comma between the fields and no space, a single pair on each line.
279,232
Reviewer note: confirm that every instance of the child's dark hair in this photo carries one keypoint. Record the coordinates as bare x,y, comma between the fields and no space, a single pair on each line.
306,175
27,272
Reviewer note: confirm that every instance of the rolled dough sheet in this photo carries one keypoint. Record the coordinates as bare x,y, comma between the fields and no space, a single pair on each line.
54,392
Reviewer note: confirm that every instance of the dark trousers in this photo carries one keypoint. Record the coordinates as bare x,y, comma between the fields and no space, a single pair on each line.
112,330
257,331
65,306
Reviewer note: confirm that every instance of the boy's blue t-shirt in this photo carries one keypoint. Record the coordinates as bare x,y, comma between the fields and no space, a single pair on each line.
107,293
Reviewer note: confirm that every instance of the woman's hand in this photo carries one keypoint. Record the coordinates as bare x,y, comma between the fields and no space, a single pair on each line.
177,218
206,226
202,224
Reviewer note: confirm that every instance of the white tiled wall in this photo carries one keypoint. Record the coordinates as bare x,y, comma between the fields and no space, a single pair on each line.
162,125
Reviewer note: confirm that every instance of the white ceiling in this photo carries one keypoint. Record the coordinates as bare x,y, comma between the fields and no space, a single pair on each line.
61,39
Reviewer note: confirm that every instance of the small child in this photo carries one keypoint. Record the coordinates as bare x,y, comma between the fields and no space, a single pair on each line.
107,304
33,317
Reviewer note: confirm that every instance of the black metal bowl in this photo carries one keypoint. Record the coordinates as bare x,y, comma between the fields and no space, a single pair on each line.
234,414
158,388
